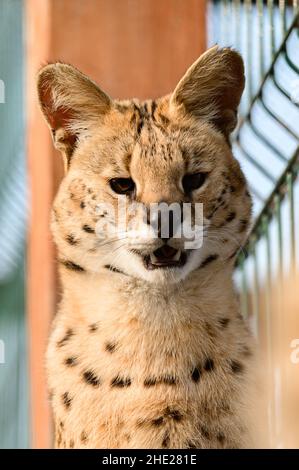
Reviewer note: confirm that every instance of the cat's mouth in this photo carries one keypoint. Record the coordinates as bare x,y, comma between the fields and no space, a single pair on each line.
165,257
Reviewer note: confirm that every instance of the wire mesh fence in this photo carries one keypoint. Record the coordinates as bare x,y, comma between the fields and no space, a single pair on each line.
266,143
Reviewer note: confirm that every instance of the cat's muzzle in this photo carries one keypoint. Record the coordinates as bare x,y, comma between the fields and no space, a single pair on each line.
165,257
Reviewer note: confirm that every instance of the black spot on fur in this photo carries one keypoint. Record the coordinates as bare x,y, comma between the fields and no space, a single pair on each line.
154,107
71,361
196,374
173,414
140,126
190,445
158,421
93,327
113,269
121,108
224,322
231,216
243,225
67,400
165,121
236,367
61,424
83,436
87,229
168,379
220,437
72,266
82,204
150,382
166,440
110,347
209,365
232,189
133,120
69,333
91,378
71,240
121,382
208,260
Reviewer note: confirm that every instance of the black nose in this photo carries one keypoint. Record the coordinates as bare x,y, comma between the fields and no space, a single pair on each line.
165,222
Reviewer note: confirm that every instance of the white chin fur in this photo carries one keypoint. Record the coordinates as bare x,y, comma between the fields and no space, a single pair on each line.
132,265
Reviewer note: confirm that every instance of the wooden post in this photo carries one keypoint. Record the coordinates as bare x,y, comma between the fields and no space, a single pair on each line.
40,267
131,48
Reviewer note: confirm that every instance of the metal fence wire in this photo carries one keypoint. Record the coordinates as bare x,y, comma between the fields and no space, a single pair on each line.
266,143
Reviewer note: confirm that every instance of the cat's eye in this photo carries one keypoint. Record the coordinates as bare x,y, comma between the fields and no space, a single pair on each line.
122,185
193,181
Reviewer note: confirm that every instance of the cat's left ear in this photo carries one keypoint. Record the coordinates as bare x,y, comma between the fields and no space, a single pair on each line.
212,87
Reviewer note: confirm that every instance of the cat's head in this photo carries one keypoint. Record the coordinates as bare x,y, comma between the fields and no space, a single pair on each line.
173,150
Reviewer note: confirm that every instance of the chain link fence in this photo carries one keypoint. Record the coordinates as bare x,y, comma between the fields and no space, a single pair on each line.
266,143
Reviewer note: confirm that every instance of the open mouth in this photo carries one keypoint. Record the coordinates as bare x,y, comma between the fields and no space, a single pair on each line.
165,257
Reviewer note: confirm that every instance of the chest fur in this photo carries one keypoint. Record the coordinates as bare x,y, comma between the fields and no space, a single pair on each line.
124,378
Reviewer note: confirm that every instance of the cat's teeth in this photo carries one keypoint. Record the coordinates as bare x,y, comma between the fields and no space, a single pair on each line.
154,258
177,256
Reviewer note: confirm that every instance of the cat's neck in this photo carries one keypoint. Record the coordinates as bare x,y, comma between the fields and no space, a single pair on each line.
114,297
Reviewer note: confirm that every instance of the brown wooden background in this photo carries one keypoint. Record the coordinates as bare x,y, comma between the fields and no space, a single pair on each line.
131,48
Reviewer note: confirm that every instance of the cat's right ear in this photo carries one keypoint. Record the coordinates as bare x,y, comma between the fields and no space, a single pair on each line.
70,102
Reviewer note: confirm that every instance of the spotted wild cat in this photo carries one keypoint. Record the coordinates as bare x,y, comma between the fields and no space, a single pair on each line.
148,348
